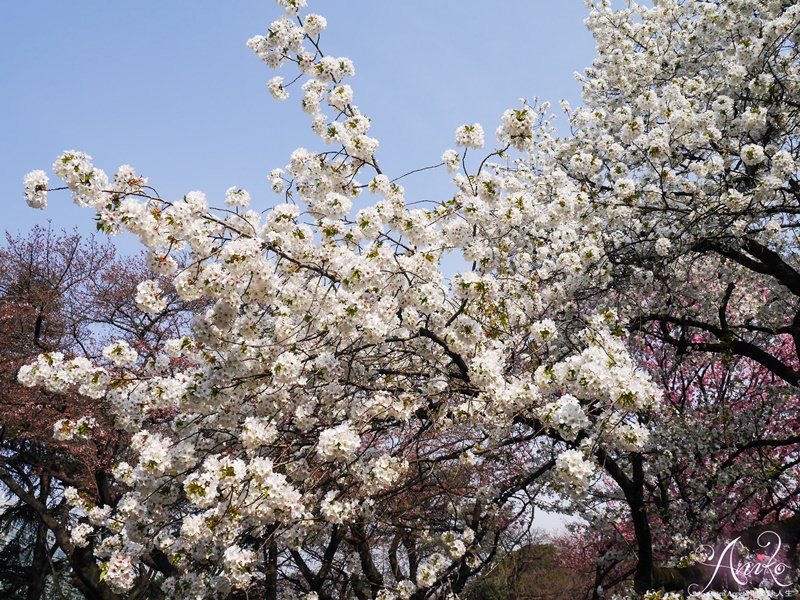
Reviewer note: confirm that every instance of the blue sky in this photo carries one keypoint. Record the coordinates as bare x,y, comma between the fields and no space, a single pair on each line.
170,87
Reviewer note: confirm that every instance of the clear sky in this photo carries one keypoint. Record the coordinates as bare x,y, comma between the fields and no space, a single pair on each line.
169,87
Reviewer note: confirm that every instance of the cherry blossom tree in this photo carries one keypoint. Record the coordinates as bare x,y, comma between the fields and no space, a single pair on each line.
723,459
60,294
348,418
687,146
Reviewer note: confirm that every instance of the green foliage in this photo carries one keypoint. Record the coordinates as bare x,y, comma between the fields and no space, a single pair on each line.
532,572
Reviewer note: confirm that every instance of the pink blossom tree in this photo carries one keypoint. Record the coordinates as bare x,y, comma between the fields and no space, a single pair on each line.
61,294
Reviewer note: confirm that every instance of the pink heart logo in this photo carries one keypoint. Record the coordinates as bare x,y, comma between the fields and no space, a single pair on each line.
760,556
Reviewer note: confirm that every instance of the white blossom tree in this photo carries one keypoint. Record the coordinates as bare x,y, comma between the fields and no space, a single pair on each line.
349,418
687,146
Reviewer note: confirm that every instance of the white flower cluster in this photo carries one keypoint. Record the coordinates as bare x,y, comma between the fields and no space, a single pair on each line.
603,370
486,368
237,561
66,429
284,36
383,471
753,154
292,7
314,24
120,354
339,443
90,186
237,197
54,373
456,543
36,189
629,436
338,511
544,330
517,126
153,450
148,297
430,570
98,515
79,534
275,87
287,368
73,498
663,246
470,136
257,432
567,415
118,573
452,160
573,469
